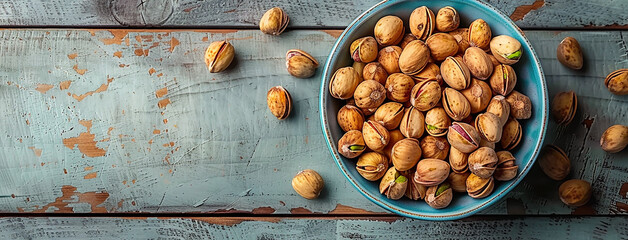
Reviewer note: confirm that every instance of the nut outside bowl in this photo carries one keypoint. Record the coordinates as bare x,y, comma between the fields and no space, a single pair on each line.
527,68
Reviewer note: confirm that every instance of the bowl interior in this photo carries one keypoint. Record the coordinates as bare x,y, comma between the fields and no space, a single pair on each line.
530,82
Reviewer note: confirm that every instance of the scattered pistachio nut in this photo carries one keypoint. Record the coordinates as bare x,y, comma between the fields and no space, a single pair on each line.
389,30
364,50
274,21
463,137
458,181
435,147
431,172
422,22
564,107
389,115
520,105
375,135
483,162
218,56
414,191
393,184
447,19
506,49
406,154
372,166
407,38
439,196
300,64
511,134
359,67
414,57
569,53
350,118
442,45
369,94
398,87
554,162
431,72
478,62
458,160
478,187
480,34
461,36
489,127
375,71
425,95
388,57
279,102
344,82
503,80
500,107
575,192
478,94
412,123
455,73
617,82
455,104
308,183
614,139
395,136
351,144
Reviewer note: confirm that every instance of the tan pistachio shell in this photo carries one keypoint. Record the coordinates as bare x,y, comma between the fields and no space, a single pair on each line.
389,30
458,181
308,183
506,49
359,67
478,94
455,73
478,187
569,53
480,34
422,22
431,72
483,162
617,82
406,154
414,57
395,136
414,191
489,127
344,82
372,166
484,143
351,144
393,184
389,58
575,192
463,137
412,123
564,107
350,118
437,122
389,114
455,104
364,49
375,135
458,160
279,102
369,94
375,71
614,139
478,62
300,63
435,147
500,107
409,37
425,95
494,61
442,45
503,80
462,37
506,167
520,105
398,87
431,172
219,56
439,196
447,19
274,21
511,134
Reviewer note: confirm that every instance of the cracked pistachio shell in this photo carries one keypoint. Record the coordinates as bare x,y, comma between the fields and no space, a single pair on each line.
614,139
463,137
520,105
506,169
344,82
414,191
511,134
351,144
375,71
409,37
458,181
359,67
617,82
369,94
431,172
218,56
412,123
437,122
564,107
478,94
350,118
439,196
372,166
478,62
300,64
389,30
389,58
422,22
398,87
482,162
414,57
569,53
435,147
447,19
461,36
389,115
489,127
455,104
364,49
455,73
279,102
480,34
406,154
274,21
575,192
308,183
431,72
478,187
500,107
395,136
375,135
393,184
442,45
503,80
425,95
458,160
506,49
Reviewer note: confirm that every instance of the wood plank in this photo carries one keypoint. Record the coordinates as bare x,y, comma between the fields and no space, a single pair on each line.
314,228
157,133
304,14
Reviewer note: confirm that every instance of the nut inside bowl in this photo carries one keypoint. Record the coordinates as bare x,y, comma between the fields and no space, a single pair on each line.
531,83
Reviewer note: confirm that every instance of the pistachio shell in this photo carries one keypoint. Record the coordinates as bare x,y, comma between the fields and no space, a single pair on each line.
308,183
463,137
409,37
344,82
458,160
389,58
435,147
431,172
414,57
393,184
520,105
398,87
458,181
614,139
478,187
218,56
437,122
274,21
617,82
494,61
300,64
447,19
478,62
389,114
425,95
395,136
442,45
511,134
455,73
364,50
359,67
506,49
506,168
569,53
414,191
564,107
389,30
484,143
575,192
482,162
489,127
372,166
350,118
351,144
462,37
478,94
500,107
412,123
375,71
439,196
431,72
406,154
480,34
279,102
455,104
375,135
503,80
369,94
422,22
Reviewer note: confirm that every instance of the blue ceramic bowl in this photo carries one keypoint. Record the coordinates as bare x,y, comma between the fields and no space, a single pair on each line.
530,82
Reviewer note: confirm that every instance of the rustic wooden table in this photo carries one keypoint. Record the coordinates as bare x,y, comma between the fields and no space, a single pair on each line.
114,128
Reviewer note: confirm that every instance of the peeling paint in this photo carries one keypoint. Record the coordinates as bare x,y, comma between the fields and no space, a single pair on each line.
43,88
523,10
85,142
343,209
91,175
65,85
173,43
333,33
151,71
117,54
37,151
118,36
102,88
163,103
79,71
72,55
70,196
161,92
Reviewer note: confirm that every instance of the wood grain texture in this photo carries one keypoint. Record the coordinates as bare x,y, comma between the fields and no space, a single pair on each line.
317,228
304,14
132,121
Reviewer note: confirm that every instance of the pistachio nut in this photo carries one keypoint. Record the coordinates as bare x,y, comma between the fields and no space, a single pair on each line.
520,105
458,181
455,104
437,122
480,34
503,80
489,127
458,160
511,134
369,112
435,147
300,64
478,94
439,196
431,172
364,50
575,192
412,123
462,37
372,166
351,144
569,53
614,139
425,95
350,118
389,114
478,187
274,21
506,169
369,94
455,73
414,57
375,71
494,60
414,191
430,72
359,67
375,135
308,183
564,107
482,162
500,107
279,102
344,82
395,136
398,87
478,62
506,49
447,19
409,37
484,143
422,22
393,184
463,137
389,58
405,154
617,82
442,45
389,30
218,56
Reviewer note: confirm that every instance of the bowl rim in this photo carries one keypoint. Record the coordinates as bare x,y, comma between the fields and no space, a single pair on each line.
448,216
